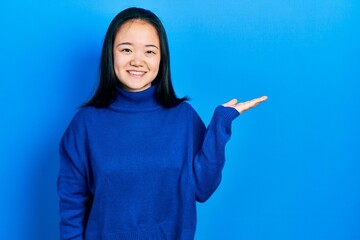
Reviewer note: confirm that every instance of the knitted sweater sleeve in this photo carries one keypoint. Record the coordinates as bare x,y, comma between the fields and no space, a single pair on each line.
72,185
209,160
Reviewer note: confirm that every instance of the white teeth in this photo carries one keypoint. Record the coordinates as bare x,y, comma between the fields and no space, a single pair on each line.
136,73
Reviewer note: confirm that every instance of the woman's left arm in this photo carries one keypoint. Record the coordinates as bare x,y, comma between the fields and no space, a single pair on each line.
210,159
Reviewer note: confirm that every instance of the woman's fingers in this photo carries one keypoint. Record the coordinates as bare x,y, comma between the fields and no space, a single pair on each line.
262,99
256,101
242,107
231,103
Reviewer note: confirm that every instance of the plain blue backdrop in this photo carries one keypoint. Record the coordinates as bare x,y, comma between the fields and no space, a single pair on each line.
293,163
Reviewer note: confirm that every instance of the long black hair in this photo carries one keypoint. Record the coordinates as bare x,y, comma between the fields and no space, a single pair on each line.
106,89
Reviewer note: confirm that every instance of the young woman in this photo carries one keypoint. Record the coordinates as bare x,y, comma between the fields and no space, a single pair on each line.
136,158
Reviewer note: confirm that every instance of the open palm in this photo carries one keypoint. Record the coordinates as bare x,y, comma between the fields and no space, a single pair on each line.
244,106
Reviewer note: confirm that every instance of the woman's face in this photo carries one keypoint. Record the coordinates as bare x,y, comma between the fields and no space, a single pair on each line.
136,55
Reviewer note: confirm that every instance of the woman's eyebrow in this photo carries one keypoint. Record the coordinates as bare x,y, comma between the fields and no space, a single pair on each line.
151,45
129,43
124,43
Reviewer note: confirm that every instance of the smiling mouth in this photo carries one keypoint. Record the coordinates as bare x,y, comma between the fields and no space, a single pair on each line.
136,73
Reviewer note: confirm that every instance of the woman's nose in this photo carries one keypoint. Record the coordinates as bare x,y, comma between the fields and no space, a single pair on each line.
137,61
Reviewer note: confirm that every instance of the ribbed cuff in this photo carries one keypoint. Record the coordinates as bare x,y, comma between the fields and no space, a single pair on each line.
225,115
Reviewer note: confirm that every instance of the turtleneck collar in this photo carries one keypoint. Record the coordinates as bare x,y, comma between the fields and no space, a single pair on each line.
136,101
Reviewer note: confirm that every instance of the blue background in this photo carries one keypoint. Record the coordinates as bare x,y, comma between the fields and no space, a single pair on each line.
292,168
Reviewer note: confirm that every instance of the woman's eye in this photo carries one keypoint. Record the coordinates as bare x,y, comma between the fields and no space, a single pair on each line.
150,52
126,50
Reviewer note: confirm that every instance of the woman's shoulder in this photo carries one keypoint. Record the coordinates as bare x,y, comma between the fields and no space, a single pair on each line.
84,112
83,115
187,107
189,112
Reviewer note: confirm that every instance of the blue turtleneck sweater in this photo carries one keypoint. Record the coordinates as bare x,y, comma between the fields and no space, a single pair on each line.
134,170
